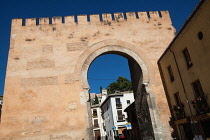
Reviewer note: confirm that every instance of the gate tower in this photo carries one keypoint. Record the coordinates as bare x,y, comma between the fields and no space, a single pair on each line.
46,87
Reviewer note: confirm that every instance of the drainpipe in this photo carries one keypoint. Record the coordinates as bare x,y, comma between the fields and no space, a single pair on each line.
180,76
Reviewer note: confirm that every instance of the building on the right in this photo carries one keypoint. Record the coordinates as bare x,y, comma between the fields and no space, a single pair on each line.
185,73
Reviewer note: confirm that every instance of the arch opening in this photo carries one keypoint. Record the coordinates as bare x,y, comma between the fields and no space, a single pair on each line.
140,81
135,63
106,69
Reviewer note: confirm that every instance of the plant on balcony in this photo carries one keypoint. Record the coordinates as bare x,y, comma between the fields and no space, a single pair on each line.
200,104
119,105
179,111
94,114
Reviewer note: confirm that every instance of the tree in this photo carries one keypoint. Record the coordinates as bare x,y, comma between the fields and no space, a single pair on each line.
96,100
121,80
101,89
122,84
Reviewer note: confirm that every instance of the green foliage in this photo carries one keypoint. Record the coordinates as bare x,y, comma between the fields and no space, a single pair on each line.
96,100
122,84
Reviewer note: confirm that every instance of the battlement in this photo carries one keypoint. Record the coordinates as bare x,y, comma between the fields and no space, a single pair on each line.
83,19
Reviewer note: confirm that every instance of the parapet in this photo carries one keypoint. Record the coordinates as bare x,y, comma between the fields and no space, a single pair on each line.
82,19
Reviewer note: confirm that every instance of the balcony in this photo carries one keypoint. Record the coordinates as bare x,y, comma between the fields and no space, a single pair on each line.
95,125
200,104
119,105
179,111
121,118
95,115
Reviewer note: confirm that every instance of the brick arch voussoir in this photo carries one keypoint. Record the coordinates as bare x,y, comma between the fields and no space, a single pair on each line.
95,50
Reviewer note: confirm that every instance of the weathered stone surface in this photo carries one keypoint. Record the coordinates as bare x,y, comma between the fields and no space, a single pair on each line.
40,64
69,78
39,81
72,106
47,49
77,46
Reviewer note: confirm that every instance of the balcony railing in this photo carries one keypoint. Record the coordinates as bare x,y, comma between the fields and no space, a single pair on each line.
95,115
200,104
179,111
95,125
120,118
119,105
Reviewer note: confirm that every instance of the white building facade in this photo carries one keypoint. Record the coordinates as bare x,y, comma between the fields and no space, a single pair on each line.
97,122
113,112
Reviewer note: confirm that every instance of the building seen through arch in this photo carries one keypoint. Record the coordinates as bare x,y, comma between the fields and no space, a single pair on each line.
113,104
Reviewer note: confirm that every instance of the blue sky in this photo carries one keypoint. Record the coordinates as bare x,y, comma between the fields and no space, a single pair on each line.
179,11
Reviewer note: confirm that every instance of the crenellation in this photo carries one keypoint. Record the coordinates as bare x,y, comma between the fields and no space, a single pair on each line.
57,20
69,19
143,15
154,14
44,21
119,16
107,16
82,19
17,22
131,15
95,18
165,14
30,21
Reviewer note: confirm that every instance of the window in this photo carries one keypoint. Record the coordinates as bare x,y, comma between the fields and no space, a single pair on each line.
187,58
96,123
118,103
200,35
197,88
95,113
199,103
179,107
128,102
120,115
170,73
177,99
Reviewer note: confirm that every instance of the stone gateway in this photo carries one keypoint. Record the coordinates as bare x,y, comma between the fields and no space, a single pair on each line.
46,90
